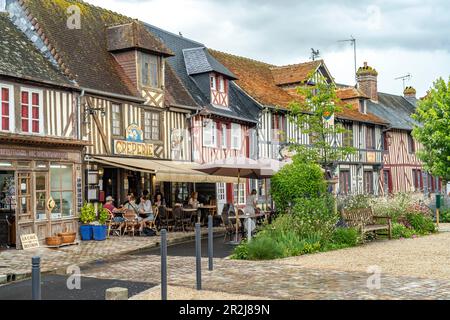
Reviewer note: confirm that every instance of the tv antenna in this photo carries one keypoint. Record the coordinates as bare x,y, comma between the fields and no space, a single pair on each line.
314,54
353,43
404,78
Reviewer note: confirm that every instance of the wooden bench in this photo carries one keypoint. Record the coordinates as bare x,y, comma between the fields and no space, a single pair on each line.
367,221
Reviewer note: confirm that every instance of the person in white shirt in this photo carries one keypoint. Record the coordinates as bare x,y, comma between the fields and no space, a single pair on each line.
251,203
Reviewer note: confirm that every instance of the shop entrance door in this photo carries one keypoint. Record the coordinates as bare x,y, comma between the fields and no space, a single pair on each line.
7,209
221,196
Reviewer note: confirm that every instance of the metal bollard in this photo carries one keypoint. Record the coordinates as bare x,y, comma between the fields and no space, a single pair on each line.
198,254
163,264
210,243
36,278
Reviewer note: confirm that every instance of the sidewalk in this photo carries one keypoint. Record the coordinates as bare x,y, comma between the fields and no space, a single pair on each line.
16,264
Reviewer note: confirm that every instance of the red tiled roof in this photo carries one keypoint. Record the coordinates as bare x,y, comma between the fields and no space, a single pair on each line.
350,93
257,79
294,73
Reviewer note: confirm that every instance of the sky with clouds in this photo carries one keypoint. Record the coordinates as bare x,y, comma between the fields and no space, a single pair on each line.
395,37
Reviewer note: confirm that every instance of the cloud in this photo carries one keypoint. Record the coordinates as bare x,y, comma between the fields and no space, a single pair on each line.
405,35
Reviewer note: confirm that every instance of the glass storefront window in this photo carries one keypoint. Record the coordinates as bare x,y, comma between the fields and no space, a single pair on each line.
61,176
41,196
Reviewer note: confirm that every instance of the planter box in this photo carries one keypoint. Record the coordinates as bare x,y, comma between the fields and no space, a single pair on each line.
99,232
86,232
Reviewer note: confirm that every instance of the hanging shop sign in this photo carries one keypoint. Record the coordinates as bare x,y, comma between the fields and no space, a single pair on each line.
133,145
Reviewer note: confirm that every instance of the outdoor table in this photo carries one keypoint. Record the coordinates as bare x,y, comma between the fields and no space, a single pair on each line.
205,207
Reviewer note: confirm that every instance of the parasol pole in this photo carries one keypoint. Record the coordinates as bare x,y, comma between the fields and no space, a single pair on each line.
265,191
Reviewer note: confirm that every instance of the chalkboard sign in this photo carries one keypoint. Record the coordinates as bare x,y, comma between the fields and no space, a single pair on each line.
29,241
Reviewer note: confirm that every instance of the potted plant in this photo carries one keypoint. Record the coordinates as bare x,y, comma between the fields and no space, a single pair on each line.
87,216
100,229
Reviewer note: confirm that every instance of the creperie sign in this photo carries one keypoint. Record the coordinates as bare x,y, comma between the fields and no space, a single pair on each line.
130,148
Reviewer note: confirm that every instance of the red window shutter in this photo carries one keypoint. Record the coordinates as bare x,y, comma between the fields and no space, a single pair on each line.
5,94
35,113
35,99
25,125
5,109
5,123
24,111
24,97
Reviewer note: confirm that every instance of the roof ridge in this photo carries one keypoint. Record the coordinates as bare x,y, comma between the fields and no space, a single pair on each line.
101,8
172,33
241,57
297,64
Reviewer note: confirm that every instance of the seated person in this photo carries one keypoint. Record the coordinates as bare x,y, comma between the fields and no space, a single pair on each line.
159,200
116,213
145,208
193,200
137,210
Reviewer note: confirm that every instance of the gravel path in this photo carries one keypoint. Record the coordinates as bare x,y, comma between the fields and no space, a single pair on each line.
425,257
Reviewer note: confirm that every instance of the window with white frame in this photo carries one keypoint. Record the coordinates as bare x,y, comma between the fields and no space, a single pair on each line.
235,136
151,125
241,199
221,84
31,111
221,191
224,136
209,134
150,70
116,120
6,108
212,79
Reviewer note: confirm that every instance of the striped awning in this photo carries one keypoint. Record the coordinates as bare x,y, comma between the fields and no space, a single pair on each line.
168,171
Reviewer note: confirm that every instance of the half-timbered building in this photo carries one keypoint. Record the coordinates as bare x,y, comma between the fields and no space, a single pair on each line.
225,125
402,170
274,87
133,107
40,149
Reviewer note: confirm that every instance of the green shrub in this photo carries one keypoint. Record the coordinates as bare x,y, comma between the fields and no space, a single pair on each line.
444,215
240,252
316,216
346,236
264,248
401,231
422,224
87,214
103,214
297,180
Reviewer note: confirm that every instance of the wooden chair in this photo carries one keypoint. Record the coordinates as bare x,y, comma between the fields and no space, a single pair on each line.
131,222
230,227
213,211
152,224
178,218
166,220
114,228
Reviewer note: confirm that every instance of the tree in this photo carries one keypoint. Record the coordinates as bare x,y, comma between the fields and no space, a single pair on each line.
433,114
313,115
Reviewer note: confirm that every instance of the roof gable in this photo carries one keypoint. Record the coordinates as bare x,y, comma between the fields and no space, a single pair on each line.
197,61
297,73
133,35
84,51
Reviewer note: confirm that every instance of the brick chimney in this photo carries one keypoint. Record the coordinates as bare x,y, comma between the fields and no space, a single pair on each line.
367,81
409,92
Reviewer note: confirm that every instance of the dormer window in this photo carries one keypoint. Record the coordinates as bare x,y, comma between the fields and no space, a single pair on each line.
362,106
219,90
150,70
213,82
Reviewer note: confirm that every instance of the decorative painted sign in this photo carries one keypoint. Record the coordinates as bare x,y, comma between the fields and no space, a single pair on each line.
51,204
29,241
134,133
133,145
